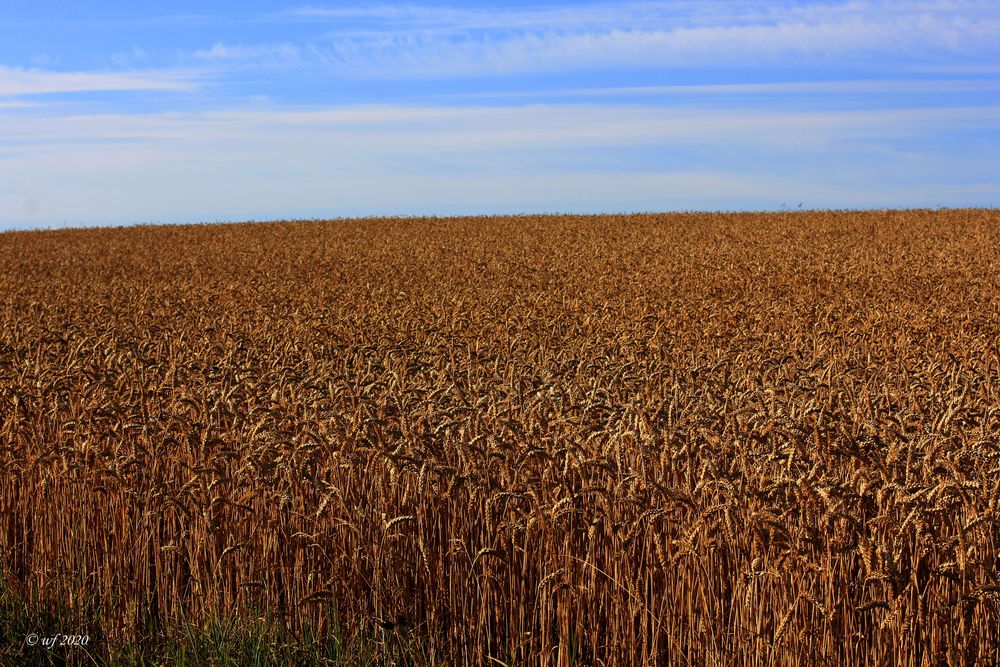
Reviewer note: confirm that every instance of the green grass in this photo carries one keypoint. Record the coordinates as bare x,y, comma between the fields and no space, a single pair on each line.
246,639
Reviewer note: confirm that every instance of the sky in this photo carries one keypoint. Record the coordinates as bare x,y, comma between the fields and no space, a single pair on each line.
115,112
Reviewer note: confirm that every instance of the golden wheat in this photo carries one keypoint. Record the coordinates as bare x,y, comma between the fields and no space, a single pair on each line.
755,439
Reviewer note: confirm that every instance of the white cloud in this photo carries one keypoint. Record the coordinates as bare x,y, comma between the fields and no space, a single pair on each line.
418,55
17,104
16,81
401,130
281,162
857,86
405,40
220,51
631,15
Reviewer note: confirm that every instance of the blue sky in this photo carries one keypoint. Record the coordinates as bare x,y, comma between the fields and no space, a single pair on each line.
125,112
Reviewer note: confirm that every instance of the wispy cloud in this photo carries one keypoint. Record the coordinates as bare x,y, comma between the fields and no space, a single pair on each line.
404,40
17,104
844,87
414,106
405,159
221,51
16,81
632,15
414,130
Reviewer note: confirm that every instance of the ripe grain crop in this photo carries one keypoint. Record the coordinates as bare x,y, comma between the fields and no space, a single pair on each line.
687,439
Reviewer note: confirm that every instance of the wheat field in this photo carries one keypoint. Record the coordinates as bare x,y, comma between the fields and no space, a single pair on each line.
677,439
